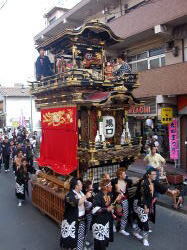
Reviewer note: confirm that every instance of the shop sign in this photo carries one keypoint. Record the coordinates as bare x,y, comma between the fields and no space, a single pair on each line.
173,139
15,124
166,115
108,126
139,110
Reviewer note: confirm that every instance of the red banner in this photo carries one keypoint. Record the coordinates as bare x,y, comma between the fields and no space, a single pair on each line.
59,140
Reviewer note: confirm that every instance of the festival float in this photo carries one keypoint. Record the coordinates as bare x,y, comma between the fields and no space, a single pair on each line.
83,114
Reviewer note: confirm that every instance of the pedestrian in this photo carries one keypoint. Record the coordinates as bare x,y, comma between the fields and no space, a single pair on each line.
146,202
102,226
1,156
29,152
6,154
120,186
33,143
96,186
156,161
12,149
73,226
18,160
22,178
88,187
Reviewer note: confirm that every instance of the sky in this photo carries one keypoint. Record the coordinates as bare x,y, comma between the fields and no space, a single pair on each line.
20,21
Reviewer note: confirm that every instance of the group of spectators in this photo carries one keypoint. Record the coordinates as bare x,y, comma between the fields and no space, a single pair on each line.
17,151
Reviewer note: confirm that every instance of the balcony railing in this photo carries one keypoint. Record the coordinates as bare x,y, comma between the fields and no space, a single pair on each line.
84,78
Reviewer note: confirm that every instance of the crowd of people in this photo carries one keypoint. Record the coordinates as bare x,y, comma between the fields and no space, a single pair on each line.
93,212
108,208
17,150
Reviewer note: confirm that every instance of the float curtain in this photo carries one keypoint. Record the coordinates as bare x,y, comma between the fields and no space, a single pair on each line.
59,140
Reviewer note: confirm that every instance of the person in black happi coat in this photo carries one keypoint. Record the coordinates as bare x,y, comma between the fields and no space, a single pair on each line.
73,226
146,201
43,66
102,227
29,153
1,156
22,178
6,154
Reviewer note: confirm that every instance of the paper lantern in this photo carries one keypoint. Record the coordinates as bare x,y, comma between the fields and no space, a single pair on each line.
108,126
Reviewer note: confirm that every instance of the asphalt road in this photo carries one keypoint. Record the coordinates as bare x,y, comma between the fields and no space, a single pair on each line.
25,228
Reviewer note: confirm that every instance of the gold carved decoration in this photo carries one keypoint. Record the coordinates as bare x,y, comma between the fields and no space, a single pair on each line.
58,118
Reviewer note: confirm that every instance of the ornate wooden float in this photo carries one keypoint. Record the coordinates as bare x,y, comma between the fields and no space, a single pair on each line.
83,114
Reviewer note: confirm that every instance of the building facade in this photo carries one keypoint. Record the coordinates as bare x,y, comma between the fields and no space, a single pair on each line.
155,45
17,107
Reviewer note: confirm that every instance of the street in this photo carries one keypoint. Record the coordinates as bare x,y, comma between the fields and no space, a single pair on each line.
25,228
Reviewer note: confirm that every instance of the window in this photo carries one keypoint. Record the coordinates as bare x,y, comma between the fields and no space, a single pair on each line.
52,20
132,58
133,67
156,52
142,65
149,59
136,5
142,55
154,63
185,54
163,61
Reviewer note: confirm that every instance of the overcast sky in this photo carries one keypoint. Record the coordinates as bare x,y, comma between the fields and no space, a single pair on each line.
20,21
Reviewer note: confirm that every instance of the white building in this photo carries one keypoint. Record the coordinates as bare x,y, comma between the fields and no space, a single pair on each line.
17,107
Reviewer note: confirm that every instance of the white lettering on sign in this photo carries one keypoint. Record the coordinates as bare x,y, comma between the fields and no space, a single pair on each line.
139,110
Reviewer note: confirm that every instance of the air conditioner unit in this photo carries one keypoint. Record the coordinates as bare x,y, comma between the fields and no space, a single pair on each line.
162,29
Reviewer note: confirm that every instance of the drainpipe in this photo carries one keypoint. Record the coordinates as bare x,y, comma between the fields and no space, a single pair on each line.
183,59
121,10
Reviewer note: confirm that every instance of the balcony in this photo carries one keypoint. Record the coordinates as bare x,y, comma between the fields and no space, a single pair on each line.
143,19
168,80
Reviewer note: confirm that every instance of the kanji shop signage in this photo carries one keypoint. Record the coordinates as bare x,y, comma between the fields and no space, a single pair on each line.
166,115
173,139
108,126
139,110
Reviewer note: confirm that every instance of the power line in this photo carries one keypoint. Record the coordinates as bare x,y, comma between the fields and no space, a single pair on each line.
3,3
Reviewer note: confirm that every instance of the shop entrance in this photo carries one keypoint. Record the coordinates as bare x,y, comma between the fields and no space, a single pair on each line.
183,141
